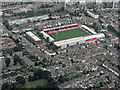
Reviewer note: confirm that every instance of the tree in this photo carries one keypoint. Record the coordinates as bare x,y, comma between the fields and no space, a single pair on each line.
16,59
9,51
30,78
5,85
16,41
7,61
95,27
42,6
72,61
86,14
10,27
20,80
61,79
62,8
19,47
28,21
36,64
48,39
25,52
98,85
12,86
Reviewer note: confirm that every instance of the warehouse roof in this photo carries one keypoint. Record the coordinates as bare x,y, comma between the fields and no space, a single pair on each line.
33,36
77,39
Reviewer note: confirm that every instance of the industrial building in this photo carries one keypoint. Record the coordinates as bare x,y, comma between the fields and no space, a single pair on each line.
33,38
78,40
93,14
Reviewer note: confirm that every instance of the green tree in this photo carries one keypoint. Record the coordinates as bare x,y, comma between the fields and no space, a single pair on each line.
86,14
20,80
62,8
48,39
19,47
7,61
28,21
61,79
30,78
5,86
25,52
16,41
95,27
9,51
98,85
16,59
12,86
10,27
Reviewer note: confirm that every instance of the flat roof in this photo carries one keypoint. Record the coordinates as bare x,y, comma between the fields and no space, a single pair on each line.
33,36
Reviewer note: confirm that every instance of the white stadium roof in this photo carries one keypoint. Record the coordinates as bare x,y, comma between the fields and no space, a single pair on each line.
93,32
51,39
78,39
60,27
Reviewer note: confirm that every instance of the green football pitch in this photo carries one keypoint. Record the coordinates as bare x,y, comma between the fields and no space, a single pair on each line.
63,35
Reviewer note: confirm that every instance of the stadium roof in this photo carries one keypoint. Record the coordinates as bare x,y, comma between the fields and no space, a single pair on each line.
35,38
60,27
93,32
77,39
47,35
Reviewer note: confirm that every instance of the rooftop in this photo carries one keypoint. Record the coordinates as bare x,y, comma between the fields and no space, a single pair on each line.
33,36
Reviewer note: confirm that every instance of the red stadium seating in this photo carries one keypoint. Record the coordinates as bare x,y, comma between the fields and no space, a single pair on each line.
65,29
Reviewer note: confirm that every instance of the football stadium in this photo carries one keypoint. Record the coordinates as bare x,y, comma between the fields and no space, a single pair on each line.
63,35
69,35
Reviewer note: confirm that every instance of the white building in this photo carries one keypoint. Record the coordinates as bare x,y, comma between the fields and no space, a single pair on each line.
33,38
93,14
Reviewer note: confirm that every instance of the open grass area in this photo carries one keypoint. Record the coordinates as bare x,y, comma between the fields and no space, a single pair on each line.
33,84
63,35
